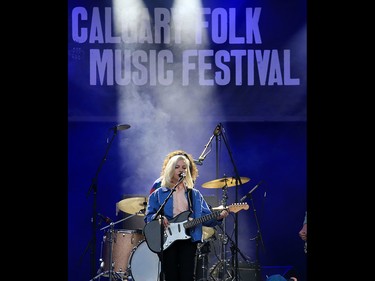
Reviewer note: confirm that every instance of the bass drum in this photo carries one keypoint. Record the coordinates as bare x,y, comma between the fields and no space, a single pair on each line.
144,265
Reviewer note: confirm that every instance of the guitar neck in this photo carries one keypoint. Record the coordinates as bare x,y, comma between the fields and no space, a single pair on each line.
232,208
197,221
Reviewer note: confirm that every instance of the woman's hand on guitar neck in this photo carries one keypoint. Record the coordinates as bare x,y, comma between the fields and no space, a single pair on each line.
223,214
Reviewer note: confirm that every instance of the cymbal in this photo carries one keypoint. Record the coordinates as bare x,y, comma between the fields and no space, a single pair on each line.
133,205
224,182
207,232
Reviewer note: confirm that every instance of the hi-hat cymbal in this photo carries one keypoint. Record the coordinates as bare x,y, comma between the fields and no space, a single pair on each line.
133,205
224,182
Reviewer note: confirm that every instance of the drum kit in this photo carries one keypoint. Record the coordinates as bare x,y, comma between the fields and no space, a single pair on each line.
128,253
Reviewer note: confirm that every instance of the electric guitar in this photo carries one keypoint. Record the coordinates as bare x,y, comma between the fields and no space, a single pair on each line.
178,226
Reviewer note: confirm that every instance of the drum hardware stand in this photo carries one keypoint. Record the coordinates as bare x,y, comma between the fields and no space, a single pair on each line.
224,239
224,272
110,272
224,235
203,256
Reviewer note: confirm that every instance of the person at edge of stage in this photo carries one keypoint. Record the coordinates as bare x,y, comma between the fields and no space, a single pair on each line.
303,232
292,274
178,259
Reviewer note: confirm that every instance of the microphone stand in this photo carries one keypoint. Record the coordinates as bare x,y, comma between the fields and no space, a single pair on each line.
160,212
94,188
238,179
216,134
205,152
258,237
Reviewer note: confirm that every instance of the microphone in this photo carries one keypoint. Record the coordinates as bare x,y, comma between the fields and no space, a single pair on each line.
182,175
104,218
251,191
198,162
121,127
217,130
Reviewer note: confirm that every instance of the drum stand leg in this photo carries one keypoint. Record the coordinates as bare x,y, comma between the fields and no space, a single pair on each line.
221,270
201,262
115,276
100,271
100,274
203,268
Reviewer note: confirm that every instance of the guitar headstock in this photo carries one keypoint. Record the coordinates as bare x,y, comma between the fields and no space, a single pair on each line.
236,207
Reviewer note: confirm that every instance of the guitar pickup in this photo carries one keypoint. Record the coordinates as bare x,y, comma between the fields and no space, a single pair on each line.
170,231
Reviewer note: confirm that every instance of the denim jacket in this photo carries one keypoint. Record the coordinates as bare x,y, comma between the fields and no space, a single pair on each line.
199,209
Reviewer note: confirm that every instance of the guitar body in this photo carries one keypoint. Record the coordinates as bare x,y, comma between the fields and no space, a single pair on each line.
156,235
175,231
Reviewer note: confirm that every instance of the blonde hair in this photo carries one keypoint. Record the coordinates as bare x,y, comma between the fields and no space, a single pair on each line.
192,167
169,171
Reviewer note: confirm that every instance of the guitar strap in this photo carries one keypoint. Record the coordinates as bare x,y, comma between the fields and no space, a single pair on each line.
190,199
162,211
